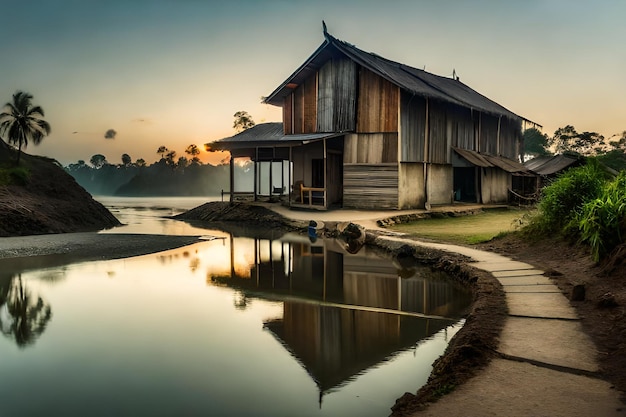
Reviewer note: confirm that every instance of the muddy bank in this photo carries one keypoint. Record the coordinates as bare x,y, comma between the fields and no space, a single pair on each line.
468,351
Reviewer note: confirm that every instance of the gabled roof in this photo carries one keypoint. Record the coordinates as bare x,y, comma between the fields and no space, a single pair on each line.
412,80
267,134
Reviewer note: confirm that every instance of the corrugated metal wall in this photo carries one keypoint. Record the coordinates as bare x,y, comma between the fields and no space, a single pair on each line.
488,134
378,104
438,140
337,86
369,186
412,130
510,138
370,148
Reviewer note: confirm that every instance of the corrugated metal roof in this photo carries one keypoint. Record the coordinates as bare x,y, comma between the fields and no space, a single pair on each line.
548,165
413,80
491,161
268,134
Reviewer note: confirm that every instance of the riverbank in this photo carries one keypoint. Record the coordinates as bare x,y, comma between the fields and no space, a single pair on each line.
513,384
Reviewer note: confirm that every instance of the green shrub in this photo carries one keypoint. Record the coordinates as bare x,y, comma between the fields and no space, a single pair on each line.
602,221
563,199
14,176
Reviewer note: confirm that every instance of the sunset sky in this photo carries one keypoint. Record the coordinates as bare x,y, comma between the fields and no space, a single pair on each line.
173,73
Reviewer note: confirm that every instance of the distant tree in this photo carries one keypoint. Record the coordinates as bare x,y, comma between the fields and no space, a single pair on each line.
98,161
535,142
193,151
126,160
182,163
242,121
140,162
21,121
170,156
162,151
567,139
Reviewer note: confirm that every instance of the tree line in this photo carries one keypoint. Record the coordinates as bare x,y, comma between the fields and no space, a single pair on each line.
168,176
567,140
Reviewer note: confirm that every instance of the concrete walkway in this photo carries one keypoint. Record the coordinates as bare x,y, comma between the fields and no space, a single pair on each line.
548,365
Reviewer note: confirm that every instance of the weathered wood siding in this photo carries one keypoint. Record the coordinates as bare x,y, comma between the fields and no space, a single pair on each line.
372,148
378,104
336,96
288,115
412,127
370,186
300,108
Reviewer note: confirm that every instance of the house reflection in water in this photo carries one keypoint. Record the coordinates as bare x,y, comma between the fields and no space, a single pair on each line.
342,313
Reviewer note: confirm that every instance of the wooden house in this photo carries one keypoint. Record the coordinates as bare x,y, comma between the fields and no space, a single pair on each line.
361,131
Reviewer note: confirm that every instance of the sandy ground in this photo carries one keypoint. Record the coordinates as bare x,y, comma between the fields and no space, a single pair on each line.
31,252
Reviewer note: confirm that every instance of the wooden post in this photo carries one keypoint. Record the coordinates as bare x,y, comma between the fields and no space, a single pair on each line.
325,176
232,178
256,160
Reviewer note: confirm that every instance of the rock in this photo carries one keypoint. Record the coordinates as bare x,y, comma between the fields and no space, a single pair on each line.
607,300
578,293
353,235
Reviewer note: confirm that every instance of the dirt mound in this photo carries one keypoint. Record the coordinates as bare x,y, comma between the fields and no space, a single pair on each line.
50,201
217,211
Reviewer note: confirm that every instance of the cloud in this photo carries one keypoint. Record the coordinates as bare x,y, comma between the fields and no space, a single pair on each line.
110,134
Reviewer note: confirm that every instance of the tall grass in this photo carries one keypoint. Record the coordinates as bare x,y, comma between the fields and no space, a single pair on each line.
584,204
564,198
602,220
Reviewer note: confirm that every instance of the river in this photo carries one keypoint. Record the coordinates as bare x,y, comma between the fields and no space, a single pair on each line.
235,325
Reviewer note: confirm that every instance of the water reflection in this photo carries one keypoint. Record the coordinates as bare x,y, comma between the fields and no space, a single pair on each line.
23,317
342,313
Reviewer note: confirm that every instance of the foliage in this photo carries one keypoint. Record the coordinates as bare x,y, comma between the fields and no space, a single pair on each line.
565,196
567,139
602,221
535,142
14,175
170,176
126,159
242,121
98,161
22,122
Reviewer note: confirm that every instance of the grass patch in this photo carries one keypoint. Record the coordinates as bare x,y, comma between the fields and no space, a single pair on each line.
14,175
468,230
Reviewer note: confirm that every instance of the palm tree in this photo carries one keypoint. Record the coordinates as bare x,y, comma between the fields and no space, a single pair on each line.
22,122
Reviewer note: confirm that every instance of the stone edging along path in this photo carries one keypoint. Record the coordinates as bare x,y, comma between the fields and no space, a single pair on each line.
544,363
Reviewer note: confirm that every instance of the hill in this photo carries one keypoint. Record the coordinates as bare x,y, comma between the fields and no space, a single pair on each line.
39,197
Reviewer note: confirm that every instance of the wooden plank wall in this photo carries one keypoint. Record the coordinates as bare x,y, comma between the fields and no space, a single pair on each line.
370,186
287,114
378,104
298,110
412,122
372,148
